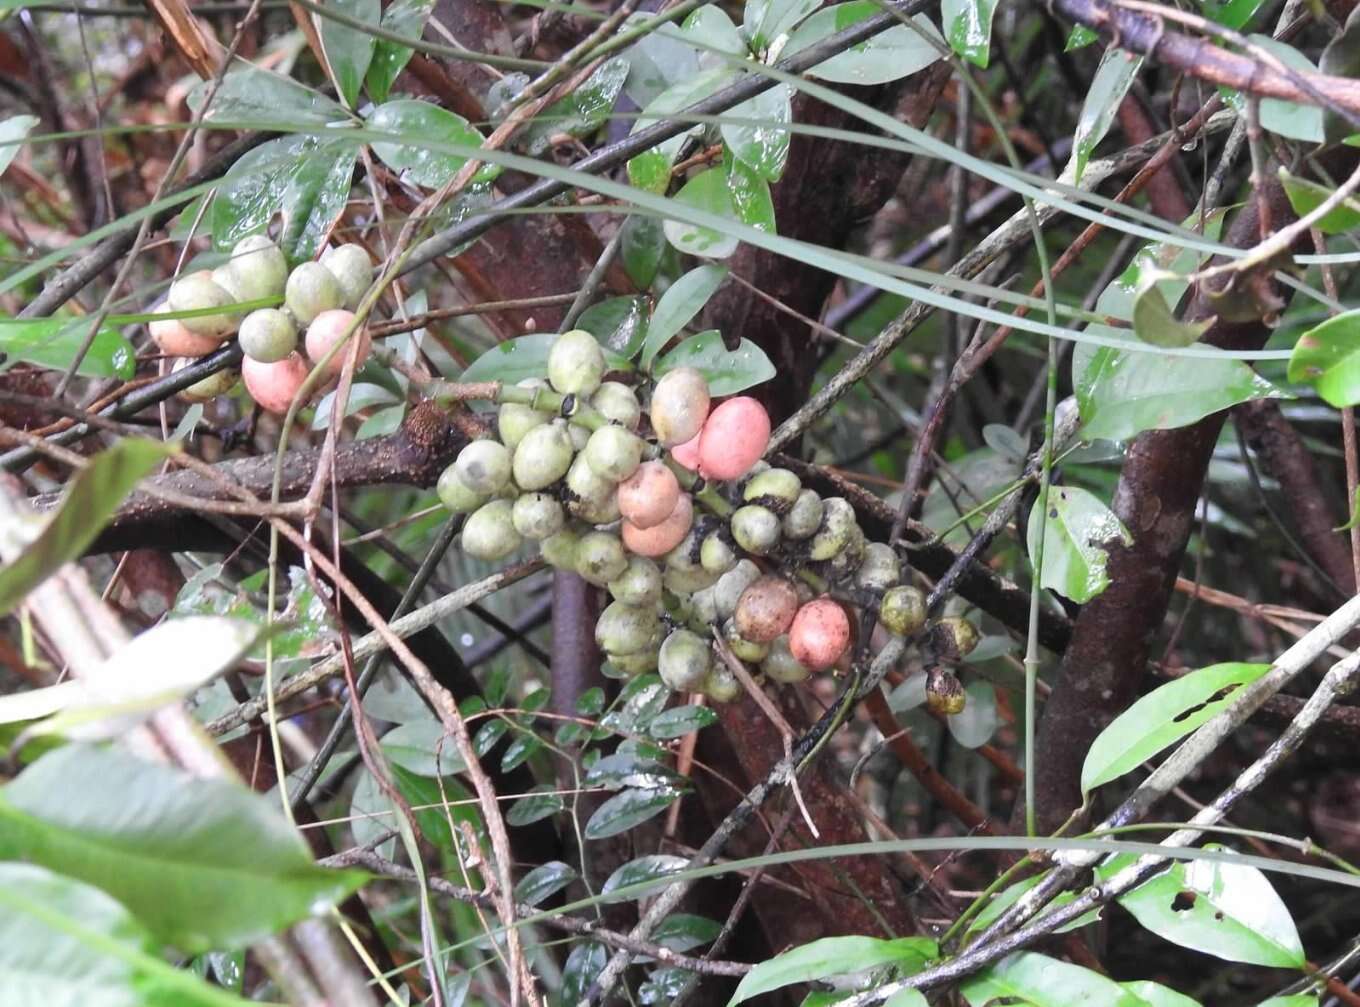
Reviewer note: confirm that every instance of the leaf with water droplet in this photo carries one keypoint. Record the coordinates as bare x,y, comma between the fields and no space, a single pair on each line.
968,24
629,809
890,55
413,124
405,18
349,50
727,371
1078,531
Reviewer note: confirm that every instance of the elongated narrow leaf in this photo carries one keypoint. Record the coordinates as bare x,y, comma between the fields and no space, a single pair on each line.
1223,909
270,100
1078,531
651,867
889,55
833,956
968,26
1162,717
349,50
1327,357
405,18
12,133
1157,995
727,371
1032,978
1291,1000
93,497
53,342
1112,81
201,863
629,808
682,300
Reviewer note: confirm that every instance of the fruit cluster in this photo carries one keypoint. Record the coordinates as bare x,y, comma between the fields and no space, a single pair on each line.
319,299
692,534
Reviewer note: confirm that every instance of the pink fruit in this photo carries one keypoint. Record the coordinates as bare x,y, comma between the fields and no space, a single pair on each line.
661,538
687,454
649,495
820,634
766,609
327,329
734,437
274,385
177,341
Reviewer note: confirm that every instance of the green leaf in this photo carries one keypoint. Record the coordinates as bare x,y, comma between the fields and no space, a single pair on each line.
53,342
651,170
631,768
67,943
682,300
1298,122
644,242
975,724
968,26
304,178
1223,909
833,956
659,60
1112,81
711,28
266,100
13,131
1155,322
1291,1000
890,55
90,500
1327,357
1162,717
1157,995
583,967
750,193
1009,895
1036,979
683,932
544,881
1355,514
203,863
705,191
1234,14
763,144
763,21
727,371
1079,38
1306,196
1078,531
405,18
651,867
417,122
525,357
679,721
906,998
540,803
423,748
627,809
619,323
349,50
581,112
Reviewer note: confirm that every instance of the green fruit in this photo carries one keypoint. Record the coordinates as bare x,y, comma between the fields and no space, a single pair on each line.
837,530
310,290
721,686
600,558
617,403
223,278
716,555
683,574
614,453
559,551
703,610
880,568
777,489
576,363
352,269
268,335
454,495
844,564
490,532
684,661
944,693
208,388
756,529
953,639
542,456
728,590
484,467
639,585
679,406
633,665
257,268
594,499
514,420
538,516
903,610
197,292
804,517
627,629
746,650
781,665
580,436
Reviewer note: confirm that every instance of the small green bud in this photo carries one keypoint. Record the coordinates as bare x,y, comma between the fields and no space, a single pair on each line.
542,456
837,530
617,403
684,661
614,453
721,686
514,420
490,532
197,292
804,517
310,290
880,568
257,268
902,610
454,495
538,516
559,551
639,585
746,650
352,269
268,335
756,529
730,586
780,664
633,665
484,467
777,489
627,629
716,555
600,558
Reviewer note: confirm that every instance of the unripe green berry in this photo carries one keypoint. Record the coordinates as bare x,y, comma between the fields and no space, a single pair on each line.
538,516
209,388
756,528
902,610
639,585
310,290
837,530
257,268
627,629
352,269
703,610
600,558
684,661
617,403
613,452
490,532
268,334
685,582
633,665
484,467
514,420
780,664
844,564
716,555
455,496
197,292
580,436
559,551
576,363
223,278
679,406
746,650
880,568
729,587
953,639
593,499
804,517
721,686
542,456
777,489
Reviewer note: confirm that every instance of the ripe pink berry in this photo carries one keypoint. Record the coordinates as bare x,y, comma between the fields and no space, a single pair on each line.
766,609
687,454
177,341
649,495
733,438
820,634
274,385
327,329
660,538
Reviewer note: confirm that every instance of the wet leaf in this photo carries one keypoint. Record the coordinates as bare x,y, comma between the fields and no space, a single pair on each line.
402,17
652,170
1162,717
630,769
1306,196
727,371
682,300
1327,357
349,50
683,932
524,357
762,144
833,956
53,342
1078,531
1111,83
417,123
628,809
544,881
13,131
658,61
711,28
651,867
889,55
968,26
302,624
252,97
584,965
763,21
705,191
1157,995
422,747
977,722
541,803
644,242
679,721
618,323
1037,979
1155,322
641,699
581,112
1079,38
750,194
